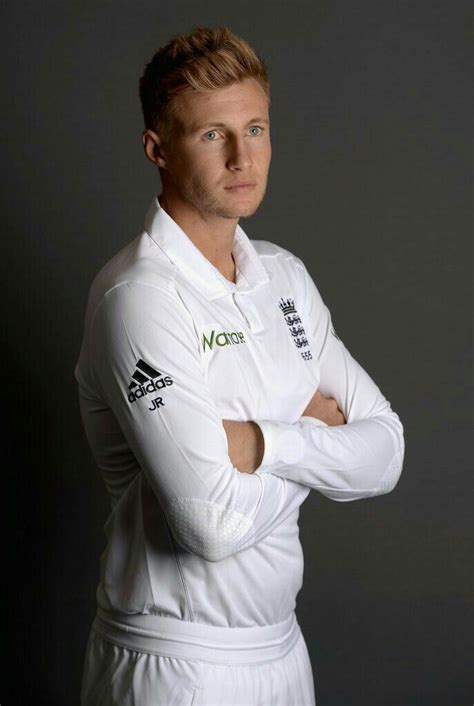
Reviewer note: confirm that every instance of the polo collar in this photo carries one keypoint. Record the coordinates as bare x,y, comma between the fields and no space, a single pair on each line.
180,250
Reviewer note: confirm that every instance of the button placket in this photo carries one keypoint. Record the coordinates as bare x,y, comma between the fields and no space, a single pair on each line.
249,312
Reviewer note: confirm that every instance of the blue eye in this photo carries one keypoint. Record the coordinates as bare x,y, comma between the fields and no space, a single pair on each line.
214,132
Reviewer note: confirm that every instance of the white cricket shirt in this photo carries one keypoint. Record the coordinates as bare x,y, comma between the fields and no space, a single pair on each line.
170,349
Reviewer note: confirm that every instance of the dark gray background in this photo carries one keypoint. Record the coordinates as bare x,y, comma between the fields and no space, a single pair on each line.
369,185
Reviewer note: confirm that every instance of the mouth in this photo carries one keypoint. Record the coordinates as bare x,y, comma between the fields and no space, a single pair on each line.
246,186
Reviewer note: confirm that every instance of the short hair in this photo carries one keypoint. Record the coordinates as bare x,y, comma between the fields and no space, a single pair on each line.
201,61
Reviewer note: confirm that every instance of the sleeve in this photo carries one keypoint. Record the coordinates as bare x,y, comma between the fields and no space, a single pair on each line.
359,459
146,363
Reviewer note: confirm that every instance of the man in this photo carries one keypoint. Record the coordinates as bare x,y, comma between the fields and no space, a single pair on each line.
215,394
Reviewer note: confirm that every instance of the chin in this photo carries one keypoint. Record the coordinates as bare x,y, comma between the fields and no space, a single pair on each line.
245,213
233,206
242,212
244,208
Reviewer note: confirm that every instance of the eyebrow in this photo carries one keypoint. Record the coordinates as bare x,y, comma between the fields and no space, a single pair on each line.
195,128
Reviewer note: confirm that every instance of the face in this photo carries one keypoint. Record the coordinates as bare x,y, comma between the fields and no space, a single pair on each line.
222,139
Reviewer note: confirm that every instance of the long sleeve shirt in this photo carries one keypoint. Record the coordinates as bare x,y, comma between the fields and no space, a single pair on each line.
170,349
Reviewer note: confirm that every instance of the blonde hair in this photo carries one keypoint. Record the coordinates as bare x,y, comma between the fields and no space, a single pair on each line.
202,61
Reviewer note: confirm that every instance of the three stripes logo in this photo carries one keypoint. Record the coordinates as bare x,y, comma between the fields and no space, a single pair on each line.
146,379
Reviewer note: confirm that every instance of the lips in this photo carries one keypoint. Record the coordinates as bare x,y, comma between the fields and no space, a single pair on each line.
243,185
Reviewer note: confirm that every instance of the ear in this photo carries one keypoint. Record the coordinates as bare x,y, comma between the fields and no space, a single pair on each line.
153,148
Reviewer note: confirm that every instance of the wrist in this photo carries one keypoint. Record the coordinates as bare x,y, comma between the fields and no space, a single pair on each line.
257,447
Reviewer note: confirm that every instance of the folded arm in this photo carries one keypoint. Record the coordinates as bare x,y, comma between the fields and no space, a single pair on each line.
359,459
146,362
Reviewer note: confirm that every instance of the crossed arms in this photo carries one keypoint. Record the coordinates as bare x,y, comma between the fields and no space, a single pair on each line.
191,462
245,439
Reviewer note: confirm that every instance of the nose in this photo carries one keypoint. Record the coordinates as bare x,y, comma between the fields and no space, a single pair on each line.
239,154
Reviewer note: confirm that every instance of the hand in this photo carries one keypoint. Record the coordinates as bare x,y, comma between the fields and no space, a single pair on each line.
245,443
324,408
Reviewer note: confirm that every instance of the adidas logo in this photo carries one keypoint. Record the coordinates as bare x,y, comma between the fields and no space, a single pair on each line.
145,380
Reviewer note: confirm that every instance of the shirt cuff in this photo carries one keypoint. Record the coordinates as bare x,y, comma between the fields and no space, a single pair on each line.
284,443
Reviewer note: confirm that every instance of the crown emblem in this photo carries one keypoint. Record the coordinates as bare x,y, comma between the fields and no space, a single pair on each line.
295,327
287,306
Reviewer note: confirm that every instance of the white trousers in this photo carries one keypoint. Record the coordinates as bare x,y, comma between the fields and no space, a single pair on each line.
156,661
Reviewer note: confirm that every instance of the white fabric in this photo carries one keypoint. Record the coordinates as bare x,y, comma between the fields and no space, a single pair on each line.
207,643
170,349
189,536
118,676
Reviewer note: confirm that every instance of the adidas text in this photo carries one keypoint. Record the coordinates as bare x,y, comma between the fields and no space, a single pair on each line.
151,386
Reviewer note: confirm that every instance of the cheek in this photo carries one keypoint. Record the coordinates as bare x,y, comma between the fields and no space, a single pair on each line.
263,163
188,160
263,153
202,165
269,152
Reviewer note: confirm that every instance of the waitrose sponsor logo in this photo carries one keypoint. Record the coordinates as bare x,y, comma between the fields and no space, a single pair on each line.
222,338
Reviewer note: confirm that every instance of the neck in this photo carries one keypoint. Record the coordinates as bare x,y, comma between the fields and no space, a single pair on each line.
212,235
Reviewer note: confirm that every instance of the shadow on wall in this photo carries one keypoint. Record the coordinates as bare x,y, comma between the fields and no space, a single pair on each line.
57,505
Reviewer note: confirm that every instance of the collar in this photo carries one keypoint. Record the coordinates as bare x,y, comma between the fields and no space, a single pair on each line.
180,250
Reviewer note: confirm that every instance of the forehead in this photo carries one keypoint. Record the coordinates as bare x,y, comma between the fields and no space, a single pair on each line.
233,105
